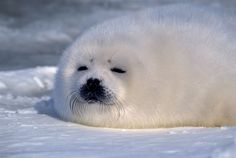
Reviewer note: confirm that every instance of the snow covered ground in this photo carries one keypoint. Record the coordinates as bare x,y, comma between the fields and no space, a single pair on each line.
34,33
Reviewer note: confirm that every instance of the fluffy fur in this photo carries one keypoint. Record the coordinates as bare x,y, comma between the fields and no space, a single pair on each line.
180,64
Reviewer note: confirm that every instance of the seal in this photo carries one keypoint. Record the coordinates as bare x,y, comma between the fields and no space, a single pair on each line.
160,67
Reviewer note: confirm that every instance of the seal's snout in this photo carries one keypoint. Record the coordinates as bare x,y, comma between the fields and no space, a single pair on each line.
93,84
93,91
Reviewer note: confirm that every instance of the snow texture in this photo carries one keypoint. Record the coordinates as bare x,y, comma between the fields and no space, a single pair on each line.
34,33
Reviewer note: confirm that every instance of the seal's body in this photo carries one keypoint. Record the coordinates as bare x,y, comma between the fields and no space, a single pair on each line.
160,67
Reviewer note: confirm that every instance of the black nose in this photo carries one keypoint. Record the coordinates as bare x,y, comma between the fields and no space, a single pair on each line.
93,84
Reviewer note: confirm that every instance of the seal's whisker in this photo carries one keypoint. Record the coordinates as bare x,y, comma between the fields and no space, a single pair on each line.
109,104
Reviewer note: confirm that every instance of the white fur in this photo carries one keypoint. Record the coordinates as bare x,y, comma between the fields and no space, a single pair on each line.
180,63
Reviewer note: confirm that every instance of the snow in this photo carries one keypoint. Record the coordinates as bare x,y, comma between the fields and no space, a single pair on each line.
35,33
30,128
227,152
37,82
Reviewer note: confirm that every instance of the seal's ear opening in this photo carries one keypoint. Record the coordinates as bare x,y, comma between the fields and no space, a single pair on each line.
118,70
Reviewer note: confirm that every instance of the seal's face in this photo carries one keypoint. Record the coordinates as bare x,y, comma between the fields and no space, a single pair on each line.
99,80
93,87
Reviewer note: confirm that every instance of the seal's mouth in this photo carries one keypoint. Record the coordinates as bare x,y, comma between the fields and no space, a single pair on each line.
93,96
92,99
99,100
104,98
92,92
99,95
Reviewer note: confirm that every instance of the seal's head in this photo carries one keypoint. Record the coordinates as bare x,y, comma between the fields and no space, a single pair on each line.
97,83
95,80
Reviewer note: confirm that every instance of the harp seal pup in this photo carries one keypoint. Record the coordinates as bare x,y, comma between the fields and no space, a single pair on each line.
161,67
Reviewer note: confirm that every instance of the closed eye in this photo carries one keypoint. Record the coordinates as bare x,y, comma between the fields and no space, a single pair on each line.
82,68
118,70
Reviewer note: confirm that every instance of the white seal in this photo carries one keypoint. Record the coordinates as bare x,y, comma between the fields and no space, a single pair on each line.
162,67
